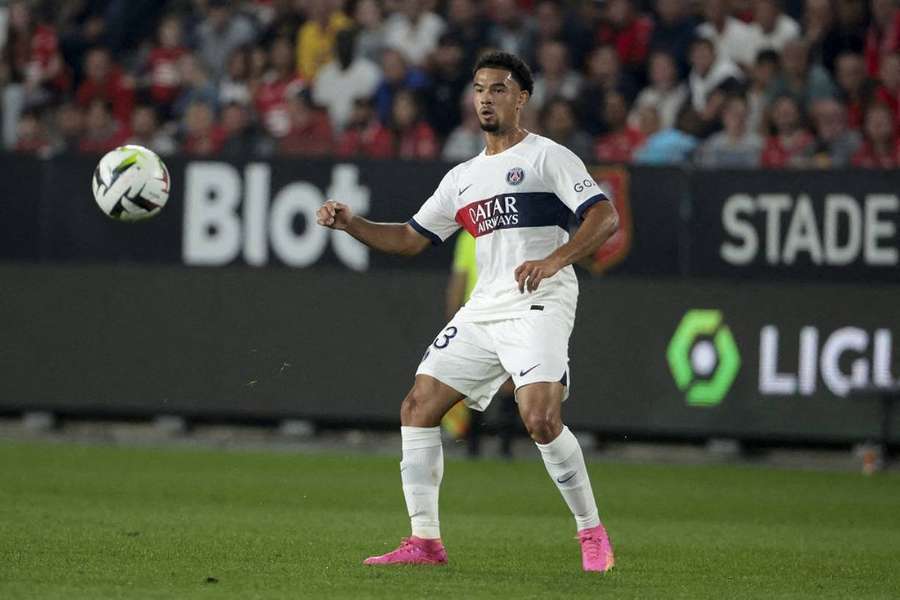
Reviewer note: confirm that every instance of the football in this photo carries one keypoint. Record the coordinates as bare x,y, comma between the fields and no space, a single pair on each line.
131,183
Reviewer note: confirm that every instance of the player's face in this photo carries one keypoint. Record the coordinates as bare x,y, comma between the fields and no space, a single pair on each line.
498,100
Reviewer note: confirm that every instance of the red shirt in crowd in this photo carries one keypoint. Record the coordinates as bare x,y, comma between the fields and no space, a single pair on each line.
115,89
868,158
373,141
101,145
271,105
879,43
313,138
417,142
631,42
204,144
618,146
165,78
780,152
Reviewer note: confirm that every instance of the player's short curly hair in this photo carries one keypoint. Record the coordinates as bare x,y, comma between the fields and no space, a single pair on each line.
510,62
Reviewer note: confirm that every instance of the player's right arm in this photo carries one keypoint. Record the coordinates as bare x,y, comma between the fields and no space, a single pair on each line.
434,223
391,238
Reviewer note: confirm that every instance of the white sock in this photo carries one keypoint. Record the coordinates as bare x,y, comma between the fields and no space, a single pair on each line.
421,471
565,464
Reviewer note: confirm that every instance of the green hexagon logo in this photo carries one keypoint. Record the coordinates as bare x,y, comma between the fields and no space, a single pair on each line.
703,357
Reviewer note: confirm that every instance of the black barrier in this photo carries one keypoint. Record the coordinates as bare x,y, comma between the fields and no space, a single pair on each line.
813,225
262,214
651,358
839,226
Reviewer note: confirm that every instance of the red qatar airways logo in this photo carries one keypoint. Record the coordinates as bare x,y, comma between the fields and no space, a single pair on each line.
484,216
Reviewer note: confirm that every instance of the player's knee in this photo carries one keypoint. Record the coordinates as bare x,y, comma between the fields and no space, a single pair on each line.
414,411
542,426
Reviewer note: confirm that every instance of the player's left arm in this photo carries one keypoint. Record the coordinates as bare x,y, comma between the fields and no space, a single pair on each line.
600,222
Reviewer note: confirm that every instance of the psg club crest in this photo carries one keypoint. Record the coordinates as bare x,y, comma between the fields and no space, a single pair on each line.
515,176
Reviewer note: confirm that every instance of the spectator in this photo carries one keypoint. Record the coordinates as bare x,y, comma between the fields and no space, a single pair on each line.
558,123
145,131
413,138
32,67
673,146
196,85
220,33
879,148
761,88
731,38
771,28
279,82
604,75
673,32
835,144
807,83
69,121
467,140
789,141
163,63
818,25
234,87
201,136
315,39
31,136
854,88
448,78
413,31
847,34
735,146
240,135
883,35
469,28
370,42
619,144
888,91
665,92
310,133
513,29
102,132
628,32
397,76
555,77
106,81
365,136
345,79
708,72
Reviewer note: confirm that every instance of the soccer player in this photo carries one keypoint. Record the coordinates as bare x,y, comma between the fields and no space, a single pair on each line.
515,198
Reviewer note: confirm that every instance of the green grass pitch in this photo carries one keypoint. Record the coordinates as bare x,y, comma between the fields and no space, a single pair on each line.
109,522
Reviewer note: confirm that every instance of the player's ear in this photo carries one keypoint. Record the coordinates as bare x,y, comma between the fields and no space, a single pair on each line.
523,99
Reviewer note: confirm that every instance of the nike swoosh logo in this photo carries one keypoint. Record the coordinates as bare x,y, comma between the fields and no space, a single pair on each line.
463,191
565,477
527,371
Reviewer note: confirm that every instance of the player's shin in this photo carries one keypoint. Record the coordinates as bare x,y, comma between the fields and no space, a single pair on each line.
421,471
565,464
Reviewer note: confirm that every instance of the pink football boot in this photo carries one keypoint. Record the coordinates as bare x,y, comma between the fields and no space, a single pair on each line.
412,551
596,551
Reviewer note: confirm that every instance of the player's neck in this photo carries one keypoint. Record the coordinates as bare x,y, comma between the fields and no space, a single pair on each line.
497,142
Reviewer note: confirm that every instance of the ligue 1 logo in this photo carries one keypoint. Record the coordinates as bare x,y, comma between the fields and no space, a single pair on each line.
515,176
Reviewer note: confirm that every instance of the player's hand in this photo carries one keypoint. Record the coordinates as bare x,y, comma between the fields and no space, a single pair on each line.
334,215
531,272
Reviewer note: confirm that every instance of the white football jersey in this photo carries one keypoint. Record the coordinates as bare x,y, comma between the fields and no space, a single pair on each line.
517,205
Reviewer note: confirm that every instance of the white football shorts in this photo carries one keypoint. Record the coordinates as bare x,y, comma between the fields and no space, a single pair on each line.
475,359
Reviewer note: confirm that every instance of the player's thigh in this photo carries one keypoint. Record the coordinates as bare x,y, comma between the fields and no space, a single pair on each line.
463,357
540,406
427,402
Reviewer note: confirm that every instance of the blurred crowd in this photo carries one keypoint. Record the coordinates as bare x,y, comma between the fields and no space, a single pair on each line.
716,83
